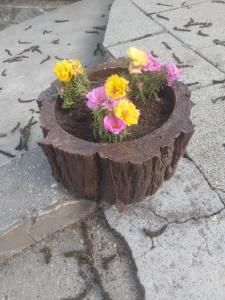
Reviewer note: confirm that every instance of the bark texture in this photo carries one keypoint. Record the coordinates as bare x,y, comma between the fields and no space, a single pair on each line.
119,173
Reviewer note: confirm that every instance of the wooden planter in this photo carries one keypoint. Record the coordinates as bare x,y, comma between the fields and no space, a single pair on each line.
119,173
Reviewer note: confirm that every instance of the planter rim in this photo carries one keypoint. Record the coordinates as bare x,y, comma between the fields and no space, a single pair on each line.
142,148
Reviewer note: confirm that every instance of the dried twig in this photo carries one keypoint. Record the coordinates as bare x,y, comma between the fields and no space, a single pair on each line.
98,49
83,295
192,83
3,134
4,72
177,59
184,66
47,254
153,234
34,111
219,42
46,59
92,31
163,4
218,1
25,134
59,58
6,153
218,81
29,27
47,31
202,33
56,42
181,29
167,46
192,22
154,54
15,59
32,49
8,52
82,255
222,98
15,128
103,28
61,21
106,261
26,101
162,17
23,43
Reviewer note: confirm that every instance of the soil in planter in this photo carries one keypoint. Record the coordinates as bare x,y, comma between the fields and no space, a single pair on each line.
153,115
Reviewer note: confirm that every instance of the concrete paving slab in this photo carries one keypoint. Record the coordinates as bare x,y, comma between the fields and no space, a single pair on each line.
155,6
33,204
127,22
185,196
185,262
214,54
206,146
27,276
27,187
27,78
13,15
200,13
202,71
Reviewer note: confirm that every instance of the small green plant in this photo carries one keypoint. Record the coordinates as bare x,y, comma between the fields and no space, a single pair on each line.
73,90
74,83
111,102
144,86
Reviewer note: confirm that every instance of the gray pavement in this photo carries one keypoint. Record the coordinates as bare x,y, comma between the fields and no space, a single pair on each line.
27,276
32,203
199,70
185,260
29,76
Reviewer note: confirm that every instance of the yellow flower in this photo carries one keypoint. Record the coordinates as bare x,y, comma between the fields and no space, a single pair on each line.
138,57
64,71
77,66
127,111
116,86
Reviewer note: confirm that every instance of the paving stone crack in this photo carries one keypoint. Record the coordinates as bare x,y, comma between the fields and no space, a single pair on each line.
214,189
167,10
141,289
132,40
178,222
182,42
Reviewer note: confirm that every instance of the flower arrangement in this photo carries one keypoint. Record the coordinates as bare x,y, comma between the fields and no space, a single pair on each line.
114,102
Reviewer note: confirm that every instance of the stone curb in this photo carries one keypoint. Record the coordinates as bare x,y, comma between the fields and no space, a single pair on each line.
33,229
33,205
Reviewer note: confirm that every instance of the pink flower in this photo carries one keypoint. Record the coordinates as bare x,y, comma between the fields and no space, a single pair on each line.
140,84
152,65
113,124
96,97
109,103
61,90
173,73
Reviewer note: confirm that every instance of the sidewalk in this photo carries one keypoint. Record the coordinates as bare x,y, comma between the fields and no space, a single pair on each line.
187,261
184,261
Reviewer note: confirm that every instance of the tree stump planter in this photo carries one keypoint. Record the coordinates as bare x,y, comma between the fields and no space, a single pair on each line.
119,173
